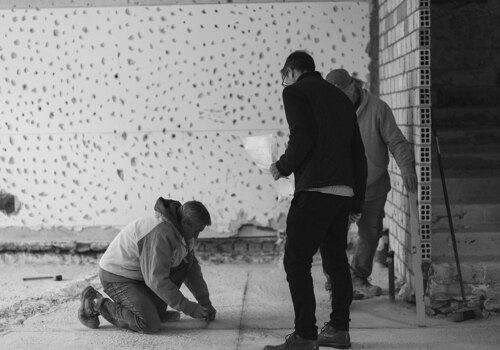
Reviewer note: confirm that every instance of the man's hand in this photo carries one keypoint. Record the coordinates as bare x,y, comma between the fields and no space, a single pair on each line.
275,172
211,312
354,217
199,312
410,182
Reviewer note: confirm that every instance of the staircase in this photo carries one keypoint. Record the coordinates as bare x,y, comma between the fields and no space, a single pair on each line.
471,161
465,71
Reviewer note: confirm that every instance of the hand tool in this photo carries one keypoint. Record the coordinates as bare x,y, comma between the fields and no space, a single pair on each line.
55,278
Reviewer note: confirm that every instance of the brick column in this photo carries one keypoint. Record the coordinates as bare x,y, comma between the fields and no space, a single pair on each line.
404,73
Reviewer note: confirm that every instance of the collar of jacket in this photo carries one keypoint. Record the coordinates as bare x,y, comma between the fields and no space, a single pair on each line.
168,209
364,95
309,74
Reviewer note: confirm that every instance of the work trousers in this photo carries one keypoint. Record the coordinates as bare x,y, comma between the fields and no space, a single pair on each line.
370,228
135,306
317,220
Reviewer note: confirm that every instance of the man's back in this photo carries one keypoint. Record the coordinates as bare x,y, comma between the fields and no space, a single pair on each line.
122,256
380,133
332,111
327,157
324,136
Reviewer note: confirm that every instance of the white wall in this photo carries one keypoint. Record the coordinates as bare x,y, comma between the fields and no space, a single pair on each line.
102,110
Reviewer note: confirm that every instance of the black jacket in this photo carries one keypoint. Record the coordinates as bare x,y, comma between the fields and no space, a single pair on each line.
325,146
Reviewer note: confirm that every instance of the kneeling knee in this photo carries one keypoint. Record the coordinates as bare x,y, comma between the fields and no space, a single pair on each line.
148,326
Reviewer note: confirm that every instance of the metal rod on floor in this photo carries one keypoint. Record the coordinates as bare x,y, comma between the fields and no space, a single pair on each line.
448,212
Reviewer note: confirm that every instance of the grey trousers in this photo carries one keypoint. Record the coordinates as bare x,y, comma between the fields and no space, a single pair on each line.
370,228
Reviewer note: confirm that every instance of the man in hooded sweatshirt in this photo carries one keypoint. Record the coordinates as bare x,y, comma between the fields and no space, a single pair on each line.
144,267
380,134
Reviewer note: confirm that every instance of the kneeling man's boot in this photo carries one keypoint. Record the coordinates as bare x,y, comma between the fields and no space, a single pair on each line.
87,314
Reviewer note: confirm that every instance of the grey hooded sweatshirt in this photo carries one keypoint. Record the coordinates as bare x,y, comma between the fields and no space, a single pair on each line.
380,133
147,249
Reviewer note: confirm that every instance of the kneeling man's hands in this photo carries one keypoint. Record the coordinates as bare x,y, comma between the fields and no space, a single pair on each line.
199,312
211,312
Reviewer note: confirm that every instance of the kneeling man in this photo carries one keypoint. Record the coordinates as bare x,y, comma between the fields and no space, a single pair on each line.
144,267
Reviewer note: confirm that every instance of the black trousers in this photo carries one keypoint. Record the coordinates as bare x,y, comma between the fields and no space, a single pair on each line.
317,220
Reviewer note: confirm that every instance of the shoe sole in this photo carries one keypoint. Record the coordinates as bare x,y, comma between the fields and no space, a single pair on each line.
335,345
88,292
367,294
91,322
81,312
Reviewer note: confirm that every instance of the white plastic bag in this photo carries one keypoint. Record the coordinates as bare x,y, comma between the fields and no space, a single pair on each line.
263,149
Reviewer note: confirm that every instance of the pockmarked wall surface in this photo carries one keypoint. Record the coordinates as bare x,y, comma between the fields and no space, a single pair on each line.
105,109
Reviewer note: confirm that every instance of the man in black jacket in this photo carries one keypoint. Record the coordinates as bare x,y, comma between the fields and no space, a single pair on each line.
326,155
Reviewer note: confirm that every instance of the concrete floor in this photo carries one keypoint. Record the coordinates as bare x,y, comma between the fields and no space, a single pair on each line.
254,309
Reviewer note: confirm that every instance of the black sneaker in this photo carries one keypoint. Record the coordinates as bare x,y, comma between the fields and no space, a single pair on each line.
295,342
334,338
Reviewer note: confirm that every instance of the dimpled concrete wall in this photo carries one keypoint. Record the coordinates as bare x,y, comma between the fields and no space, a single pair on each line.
103,109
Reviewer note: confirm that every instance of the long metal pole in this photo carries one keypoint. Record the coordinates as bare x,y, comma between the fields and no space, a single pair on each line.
448,211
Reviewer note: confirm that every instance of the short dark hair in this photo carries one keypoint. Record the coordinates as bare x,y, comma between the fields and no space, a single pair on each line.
299,60
196,212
